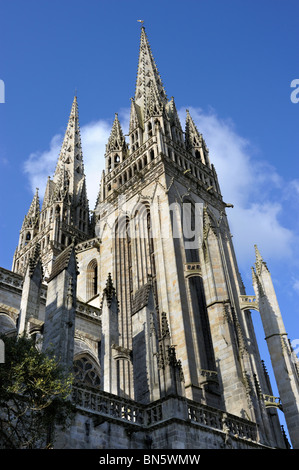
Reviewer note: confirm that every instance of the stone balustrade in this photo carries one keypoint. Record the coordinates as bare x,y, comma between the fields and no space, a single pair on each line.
272,402
192,269
249,302
222,421
111,407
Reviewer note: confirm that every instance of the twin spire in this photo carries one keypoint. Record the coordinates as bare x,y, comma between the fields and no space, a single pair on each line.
150,100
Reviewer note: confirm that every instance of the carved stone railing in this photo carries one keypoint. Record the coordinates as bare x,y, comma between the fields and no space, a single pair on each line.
11,279
86,245
88,310
192,269
201,415
272,402
249,302
208,375
222,421
110,407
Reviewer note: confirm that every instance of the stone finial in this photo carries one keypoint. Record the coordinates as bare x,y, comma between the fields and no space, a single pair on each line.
32,217
33,260
109,290
164,326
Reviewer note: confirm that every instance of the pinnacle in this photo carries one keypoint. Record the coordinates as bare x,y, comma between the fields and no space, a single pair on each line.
32,216
258,260
164,325
109,290
258,256
33,260
194,141
191,131
116,140
173,114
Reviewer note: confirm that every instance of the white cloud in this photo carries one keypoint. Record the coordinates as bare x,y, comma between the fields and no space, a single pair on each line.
94,138
40,165
253,186
296,285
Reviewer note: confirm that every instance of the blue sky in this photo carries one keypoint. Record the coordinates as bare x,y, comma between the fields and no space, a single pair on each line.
231,63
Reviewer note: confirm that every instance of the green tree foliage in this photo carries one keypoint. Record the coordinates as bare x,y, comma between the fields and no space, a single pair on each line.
34,396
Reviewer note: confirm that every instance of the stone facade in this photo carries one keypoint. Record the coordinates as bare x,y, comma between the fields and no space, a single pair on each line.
145,300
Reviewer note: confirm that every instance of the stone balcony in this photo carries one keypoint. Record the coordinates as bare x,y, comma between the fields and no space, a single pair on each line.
106,407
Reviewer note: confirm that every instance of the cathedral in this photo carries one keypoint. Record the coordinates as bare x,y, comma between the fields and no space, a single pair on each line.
142,297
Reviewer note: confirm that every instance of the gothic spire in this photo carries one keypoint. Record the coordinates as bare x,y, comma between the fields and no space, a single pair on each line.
31,220
192,137
173,114
116,141
70,169
149,88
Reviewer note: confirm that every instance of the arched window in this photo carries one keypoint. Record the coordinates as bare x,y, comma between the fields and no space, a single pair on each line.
6,323
87,371
92,279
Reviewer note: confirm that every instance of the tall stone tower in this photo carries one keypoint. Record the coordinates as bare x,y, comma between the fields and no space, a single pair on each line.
165,237
64,215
